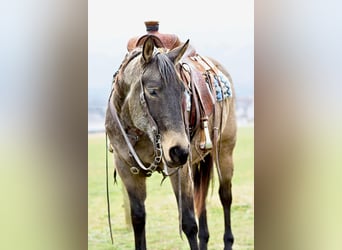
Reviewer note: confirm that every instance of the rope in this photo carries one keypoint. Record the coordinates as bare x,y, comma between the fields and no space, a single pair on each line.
180,203
107,189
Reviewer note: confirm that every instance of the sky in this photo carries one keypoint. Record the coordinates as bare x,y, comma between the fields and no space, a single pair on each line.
220,29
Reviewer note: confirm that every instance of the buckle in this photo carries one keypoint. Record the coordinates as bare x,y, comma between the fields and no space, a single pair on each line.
158,159
153,167
134,170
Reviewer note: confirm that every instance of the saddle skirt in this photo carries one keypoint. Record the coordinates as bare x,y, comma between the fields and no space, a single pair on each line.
206,85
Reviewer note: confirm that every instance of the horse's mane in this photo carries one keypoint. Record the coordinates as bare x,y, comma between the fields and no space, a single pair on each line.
119,92
128,58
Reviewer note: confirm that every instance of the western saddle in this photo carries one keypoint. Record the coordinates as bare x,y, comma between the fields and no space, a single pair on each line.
203,81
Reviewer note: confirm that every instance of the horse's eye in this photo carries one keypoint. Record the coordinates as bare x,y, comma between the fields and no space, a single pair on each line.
152,92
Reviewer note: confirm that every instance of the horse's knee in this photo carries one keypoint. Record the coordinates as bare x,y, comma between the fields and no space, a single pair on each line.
189,224
190,227
138,216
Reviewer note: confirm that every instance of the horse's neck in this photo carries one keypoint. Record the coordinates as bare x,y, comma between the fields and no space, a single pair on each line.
126,118
119,99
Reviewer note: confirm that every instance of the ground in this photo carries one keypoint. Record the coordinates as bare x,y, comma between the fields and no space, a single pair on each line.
162,216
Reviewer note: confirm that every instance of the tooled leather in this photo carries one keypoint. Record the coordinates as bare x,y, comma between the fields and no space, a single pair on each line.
169,41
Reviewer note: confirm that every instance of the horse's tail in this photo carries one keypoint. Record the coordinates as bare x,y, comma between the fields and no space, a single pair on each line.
202,175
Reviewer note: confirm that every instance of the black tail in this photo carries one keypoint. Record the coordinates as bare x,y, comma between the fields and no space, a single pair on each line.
202,176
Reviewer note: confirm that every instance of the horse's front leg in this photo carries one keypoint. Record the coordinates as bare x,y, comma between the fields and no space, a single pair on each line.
136,189
189,225
138,216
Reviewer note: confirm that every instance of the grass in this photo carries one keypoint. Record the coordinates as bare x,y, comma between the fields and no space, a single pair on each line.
162,216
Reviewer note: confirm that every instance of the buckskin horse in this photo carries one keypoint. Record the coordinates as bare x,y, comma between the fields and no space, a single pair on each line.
172,111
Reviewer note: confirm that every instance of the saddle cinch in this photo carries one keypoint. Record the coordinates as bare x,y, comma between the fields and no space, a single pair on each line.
203,81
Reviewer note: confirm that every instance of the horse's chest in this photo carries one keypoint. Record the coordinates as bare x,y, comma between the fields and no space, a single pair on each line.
144,149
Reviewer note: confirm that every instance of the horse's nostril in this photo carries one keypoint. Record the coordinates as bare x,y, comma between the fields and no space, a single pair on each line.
179,155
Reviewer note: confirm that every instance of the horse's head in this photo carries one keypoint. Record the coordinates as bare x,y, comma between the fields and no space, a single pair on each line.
154,99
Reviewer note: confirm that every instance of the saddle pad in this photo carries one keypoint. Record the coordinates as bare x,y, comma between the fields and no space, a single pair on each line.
224,89
214,78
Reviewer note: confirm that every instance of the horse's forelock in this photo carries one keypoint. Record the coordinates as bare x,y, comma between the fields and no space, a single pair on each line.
165,65
166,68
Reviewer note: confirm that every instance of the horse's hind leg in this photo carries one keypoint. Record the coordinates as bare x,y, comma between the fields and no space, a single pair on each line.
203,234
225,190
189,225
136,189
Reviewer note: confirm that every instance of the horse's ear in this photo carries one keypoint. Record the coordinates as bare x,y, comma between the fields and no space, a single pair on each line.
148,48
176,54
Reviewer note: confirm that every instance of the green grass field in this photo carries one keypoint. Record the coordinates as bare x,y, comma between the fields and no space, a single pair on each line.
162,215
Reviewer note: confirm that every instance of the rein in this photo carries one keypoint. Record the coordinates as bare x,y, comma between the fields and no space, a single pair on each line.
107,192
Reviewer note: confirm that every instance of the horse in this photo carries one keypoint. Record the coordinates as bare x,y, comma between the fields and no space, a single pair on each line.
148,132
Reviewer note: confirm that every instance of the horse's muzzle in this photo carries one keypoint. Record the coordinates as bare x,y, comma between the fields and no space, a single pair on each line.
178,155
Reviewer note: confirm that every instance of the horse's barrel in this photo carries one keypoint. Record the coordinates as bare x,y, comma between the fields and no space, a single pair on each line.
168,41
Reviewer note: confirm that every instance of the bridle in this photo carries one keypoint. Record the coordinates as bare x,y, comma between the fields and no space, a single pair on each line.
156,140
158,151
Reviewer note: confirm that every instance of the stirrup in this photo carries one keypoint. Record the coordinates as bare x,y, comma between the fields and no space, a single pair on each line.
205,142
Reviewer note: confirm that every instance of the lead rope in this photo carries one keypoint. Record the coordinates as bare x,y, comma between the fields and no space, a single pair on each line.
180,216
107,189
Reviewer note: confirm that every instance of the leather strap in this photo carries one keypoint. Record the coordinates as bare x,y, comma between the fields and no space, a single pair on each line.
194,116
107,192
216,131
128,142
209,63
